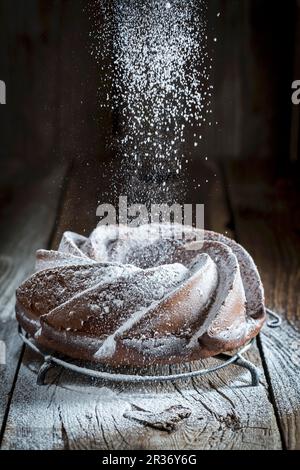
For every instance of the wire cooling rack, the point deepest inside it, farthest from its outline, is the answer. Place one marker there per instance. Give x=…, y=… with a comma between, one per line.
x=50, y=361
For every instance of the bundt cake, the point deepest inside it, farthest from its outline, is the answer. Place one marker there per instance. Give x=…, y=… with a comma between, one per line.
x=142, y=296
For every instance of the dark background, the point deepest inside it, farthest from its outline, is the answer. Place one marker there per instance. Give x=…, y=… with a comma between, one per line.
x=52, y=113
x=53, y=154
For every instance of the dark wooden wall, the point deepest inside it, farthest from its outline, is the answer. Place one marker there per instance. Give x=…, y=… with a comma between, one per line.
x=252, y=76
x=295, y=125
x=52, y=85
x=52, y=113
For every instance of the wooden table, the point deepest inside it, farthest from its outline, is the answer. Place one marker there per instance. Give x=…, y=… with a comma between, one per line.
x=221, y=411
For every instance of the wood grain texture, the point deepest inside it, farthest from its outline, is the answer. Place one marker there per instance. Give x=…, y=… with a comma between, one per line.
x=30, y=149
x=220, y=412
x=25, y=227
x=267, y=217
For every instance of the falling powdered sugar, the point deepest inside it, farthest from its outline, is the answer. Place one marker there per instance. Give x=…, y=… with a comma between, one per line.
x=157, y=84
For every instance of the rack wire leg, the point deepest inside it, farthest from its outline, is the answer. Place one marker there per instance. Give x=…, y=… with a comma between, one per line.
x=242, y=362
x=44, y=369
x=275, y=321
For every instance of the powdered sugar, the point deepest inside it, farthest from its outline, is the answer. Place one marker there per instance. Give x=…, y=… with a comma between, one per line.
x=158, y=82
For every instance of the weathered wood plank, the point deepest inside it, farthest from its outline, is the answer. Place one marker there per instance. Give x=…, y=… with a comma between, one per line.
x=31, y=33
x=84, y=414
x=26, y=225
x=267, y=219
x=221, y=411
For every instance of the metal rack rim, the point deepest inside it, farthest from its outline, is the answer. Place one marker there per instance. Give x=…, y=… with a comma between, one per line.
x=50, y=361
x=237, y=359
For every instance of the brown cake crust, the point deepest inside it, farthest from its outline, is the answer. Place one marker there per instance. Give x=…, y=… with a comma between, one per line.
x=130, y=297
